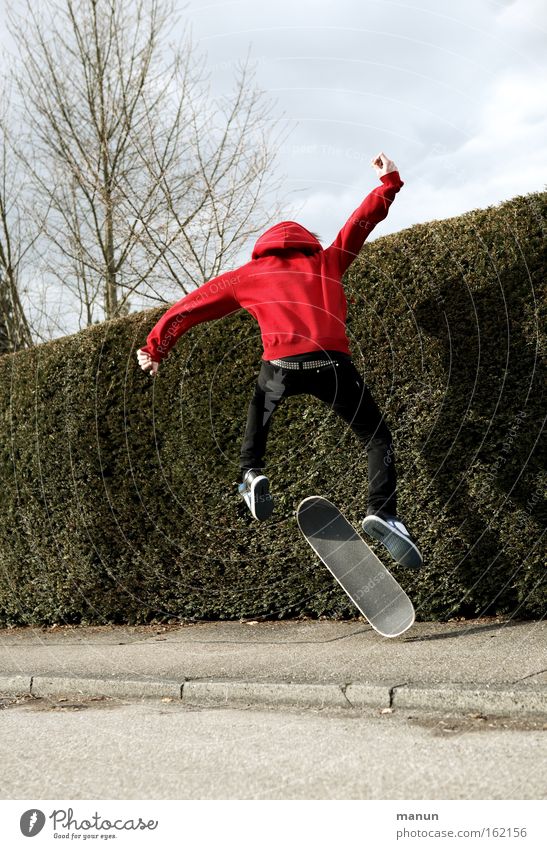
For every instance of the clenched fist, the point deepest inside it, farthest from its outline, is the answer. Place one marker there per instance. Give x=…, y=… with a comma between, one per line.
x=383, y=165
x=147, y=363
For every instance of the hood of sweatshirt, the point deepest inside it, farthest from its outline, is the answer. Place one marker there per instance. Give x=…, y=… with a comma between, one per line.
x=286, y=235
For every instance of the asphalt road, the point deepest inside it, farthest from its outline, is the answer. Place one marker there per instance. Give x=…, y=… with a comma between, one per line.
x=110, y=749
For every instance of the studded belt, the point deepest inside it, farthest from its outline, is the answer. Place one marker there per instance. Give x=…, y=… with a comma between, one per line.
x=303, y=364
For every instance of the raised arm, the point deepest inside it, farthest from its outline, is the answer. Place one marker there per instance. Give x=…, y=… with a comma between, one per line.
x=214, y=299
x=372, y=210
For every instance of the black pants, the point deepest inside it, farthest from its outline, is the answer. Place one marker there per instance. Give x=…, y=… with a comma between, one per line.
x=339, y=385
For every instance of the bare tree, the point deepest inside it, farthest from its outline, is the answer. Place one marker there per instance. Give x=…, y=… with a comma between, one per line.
x=15, y=241
x=148, y=183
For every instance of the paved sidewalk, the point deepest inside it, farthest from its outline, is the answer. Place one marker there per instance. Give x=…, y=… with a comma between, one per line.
x=492, y=666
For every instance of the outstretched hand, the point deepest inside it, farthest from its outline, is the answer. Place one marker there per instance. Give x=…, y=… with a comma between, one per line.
x=383, y=165
x=147, y=363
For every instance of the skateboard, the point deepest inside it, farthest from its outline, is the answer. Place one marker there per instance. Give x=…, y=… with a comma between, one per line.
x=365, y=579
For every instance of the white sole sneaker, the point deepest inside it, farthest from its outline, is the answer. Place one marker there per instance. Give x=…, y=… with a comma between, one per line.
x=258, y=498
x=395, y=537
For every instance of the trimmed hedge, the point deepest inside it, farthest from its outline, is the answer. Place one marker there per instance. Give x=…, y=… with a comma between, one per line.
x=118, y=495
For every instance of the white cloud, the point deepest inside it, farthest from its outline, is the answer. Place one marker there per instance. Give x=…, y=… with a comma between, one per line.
x=466, y=134
x=506, y=156
x=524, y=19
x=454, y=93
x=516, y=106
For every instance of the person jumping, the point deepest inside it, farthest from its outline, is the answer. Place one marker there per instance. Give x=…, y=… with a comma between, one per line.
x=292, y=287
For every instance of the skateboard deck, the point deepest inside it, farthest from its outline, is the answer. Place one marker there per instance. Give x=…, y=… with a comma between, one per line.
x=365, y=579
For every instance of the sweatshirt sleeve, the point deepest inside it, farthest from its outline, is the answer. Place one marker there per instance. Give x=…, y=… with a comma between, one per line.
x=373, y=209
x=213, y=299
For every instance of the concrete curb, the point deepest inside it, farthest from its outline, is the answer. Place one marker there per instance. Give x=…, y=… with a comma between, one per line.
x=454, y=698
x=496, y=699
x=43, y=685
x=258, y=692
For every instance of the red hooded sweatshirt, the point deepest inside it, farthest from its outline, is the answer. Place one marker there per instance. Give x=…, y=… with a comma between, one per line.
x=291, y=286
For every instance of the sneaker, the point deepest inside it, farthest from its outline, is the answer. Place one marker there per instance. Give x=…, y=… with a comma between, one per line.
x=255, y=491
x=391, y=532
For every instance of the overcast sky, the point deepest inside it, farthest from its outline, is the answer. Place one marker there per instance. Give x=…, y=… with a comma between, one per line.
x=454, y=92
